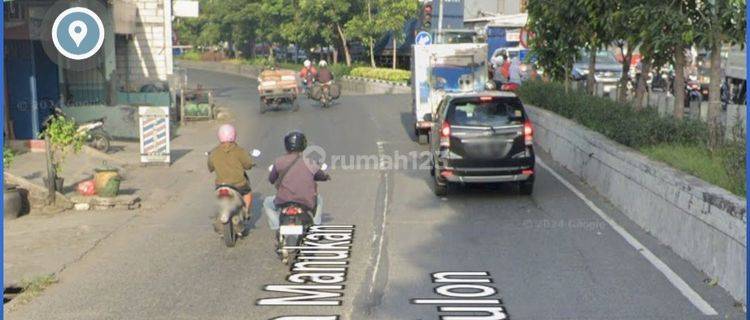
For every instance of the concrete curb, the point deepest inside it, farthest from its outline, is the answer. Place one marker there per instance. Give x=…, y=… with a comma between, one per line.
x=396, y=84
x=37, y=193
x=702, y=223
x=349, y=84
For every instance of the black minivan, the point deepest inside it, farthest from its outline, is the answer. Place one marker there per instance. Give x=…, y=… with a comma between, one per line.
x=481, y=137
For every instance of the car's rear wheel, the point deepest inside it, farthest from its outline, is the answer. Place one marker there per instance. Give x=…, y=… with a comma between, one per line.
x=440, y=188
x=263, y=107
x=526, y=187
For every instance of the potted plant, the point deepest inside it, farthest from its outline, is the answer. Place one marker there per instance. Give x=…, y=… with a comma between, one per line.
x=12, y=202
x=63, y=137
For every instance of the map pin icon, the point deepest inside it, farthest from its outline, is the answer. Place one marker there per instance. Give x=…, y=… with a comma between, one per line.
x=77, y=31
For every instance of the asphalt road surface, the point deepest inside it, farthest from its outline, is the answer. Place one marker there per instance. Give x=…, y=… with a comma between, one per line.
x=549, y=256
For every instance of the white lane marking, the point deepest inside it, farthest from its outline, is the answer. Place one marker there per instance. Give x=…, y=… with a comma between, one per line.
x=675, y=279
x=381, y=154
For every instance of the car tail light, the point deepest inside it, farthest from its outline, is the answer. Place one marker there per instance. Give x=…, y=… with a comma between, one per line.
x=485, y=99
x=445, y=134
x=527, y=172
x=528, y=133
x=292, y=211
x=224, y=193
x=446, y=173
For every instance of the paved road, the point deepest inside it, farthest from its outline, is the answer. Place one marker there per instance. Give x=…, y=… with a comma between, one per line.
x=549, y=256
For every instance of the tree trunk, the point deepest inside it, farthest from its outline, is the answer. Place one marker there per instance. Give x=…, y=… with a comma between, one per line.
x=372, y=53
x=714, y=98
x=371, y=40
x=395, y=49
x=640, y=90
x=591, y=77
x=270, y=53
x=335, y=55
x=679, y=83
x=627, y=59
x=345, y=44
x=566, y=77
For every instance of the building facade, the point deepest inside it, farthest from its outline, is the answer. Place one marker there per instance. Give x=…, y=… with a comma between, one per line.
x=137, y=51
x=479, y=8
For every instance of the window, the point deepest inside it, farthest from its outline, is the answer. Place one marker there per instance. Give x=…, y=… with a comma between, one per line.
x=494, y=113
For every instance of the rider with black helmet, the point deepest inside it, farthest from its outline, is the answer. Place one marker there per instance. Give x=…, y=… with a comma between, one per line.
x=295, y=179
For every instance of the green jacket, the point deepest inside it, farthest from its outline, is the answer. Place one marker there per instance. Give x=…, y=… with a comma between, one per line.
x=230, y=161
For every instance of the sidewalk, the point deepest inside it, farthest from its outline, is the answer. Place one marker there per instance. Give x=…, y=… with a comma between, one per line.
x=40, y=244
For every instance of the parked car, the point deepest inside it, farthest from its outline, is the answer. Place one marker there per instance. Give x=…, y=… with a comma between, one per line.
x=607, y=70
x=481, y=137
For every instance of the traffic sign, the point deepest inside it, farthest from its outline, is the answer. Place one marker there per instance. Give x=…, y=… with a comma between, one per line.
x=423, y=38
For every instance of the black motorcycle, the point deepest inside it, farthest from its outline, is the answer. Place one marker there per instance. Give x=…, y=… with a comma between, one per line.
x=294, y=222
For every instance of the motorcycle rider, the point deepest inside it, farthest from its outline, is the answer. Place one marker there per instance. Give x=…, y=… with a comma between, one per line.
x=324, y=74
x=295, y=179
x=230, y=161
x=308, y=74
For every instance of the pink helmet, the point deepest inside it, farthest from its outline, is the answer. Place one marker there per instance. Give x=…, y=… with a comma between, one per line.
x=227, y=133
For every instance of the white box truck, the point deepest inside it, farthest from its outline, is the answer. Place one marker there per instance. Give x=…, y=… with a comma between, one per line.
x=438, y=69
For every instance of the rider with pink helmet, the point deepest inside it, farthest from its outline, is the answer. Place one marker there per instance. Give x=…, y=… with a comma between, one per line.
x=230, y=162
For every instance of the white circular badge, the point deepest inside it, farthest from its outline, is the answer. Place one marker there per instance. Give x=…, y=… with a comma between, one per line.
x=78, y=33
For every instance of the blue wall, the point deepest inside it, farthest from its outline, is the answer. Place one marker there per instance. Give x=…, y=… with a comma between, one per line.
x=32, y=84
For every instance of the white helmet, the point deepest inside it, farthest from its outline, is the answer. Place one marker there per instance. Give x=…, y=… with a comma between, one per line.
x=307, y=63
x=322, y=63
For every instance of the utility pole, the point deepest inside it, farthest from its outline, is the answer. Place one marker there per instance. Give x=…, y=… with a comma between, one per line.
x=440, y=22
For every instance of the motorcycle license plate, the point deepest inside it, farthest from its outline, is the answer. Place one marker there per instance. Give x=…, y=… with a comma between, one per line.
x=291, y=230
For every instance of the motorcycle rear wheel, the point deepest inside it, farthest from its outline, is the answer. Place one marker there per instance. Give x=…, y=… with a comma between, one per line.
x=99, y=140
x=230, y=237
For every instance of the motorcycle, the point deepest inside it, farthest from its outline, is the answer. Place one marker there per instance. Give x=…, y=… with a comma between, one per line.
x=96, y=136
x=295, y=221
x=692, y=93
x=325, y=93
x=230, y=220
x=308, y=85
x=660, y=82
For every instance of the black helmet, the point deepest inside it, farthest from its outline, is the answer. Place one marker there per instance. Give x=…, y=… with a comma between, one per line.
x=295, y=141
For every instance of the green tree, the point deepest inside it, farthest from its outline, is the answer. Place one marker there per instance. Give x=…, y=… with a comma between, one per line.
x=665, y=39
x=276, y=21
x=326, y=20
x=627, y=21
x=391, y=17
x=556, y=25
x=717, y=22
x=597, y=30
x=364, y=27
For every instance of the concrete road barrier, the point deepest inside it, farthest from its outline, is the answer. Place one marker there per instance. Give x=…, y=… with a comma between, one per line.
x=702, y=223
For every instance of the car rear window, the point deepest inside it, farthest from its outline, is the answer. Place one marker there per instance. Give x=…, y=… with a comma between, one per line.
x=494, y=113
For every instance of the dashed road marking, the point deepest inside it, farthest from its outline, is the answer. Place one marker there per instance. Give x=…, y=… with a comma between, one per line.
x=381, y=153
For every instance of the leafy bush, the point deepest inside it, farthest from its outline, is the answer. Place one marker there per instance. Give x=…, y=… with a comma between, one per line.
x=192, y=56
x=8, y=157
x=338, y=70
x=679, y=143
x=619, y=122
x=63, y=138
x=734, y=157
x=393, y=75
